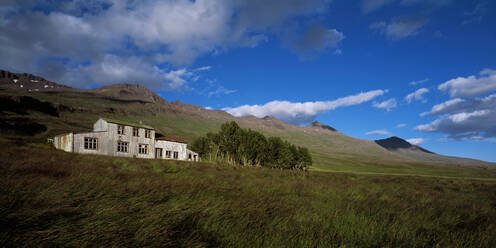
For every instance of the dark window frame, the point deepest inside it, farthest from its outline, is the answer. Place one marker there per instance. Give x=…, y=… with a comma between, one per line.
x=148, y=133
x=122, y=146
x=90, y=143
x=142, y=148
x=136, y=131
x=121, y=129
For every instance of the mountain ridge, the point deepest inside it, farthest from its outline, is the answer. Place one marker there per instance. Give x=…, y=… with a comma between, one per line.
x=332, y=148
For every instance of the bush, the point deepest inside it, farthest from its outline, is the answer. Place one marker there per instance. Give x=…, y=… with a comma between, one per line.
x=238, y=146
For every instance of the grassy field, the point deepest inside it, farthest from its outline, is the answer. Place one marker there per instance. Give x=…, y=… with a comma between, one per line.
x=50, y=198
x=330, y=152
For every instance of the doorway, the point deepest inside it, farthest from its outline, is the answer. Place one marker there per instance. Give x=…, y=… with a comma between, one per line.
x=158, y=152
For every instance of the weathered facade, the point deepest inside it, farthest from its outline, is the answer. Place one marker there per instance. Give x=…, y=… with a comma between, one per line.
x=116, y=138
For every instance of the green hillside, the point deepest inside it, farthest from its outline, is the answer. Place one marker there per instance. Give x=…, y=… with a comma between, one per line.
x=331, y=151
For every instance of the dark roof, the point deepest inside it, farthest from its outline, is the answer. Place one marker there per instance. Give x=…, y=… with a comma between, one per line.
x=172, y=138
x=127, y=123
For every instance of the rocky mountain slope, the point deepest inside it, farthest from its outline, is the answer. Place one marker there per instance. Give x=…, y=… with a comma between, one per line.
x=28, y=82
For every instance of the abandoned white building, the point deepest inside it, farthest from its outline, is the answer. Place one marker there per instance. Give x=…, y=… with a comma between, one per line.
x=117, y=138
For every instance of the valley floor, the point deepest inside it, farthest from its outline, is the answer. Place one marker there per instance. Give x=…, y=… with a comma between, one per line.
x=52, y=198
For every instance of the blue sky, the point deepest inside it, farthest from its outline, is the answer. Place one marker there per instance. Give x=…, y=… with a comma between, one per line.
x=423, y=70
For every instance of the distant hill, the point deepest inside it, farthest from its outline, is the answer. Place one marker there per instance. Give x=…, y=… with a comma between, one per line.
x=394, y=143
x=332, y=150
x=403, y=148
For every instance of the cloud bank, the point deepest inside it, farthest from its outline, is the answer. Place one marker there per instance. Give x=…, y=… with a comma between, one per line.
x=106, y=41
x=470, y=117
x=471, y=85
x=301, y=112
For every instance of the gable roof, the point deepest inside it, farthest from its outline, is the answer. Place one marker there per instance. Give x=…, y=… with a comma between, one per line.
x=172, y=139
x=127, y=123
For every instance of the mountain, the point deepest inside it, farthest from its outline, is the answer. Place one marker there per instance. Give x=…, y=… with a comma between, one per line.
x=417, y=153
x=77, y=109
x=394, y=144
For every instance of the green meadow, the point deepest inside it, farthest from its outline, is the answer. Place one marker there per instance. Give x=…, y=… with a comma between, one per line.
x=50, y=198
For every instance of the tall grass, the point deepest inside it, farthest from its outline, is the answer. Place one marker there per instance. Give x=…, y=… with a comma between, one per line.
x=51, y=198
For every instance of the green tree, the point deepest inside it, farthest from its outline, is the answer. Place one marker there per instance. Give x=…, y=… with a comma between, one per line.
x=238, y=146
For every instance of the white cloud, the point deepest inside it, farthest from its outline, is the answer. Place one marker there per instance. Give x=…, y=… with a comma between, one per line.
x=445, y=107
x=301, y=112
x=417, y=95
x=471, y=85
x=419, y=81
x=401, y=125
x=416, y=141
x=208, y=107
x=462, y=117
x=387, y=105
x=464, y=125
x=203, y=68
x=378, y=132
x=400, y=27
x=220, y=91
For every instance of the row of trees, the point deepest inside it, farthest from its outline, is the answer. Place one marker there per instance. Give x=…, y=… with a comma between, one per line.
x=239, y=146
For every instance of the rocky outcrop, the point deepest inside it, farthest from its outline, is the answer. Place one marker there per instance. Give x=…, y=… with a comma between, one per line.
x=318, y=125
x=29, y=82
x=129, y=92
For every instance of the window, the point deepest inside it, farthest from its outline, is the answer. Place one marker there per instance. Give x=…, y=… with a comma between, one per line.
x=176, y=155
x=90, y=143
x=120, y=129
x=122, y=146
x=148, y=133
x=168, y=154
x=135, y=131
x=143, y=149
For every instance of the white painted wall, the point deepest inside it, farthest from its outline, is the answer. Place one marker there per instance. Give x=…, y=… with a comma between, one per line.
x=173, y=147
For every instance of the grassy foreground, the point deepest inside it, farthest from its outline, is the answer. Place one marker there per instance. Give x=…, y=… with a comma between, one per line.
x=51, y=198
